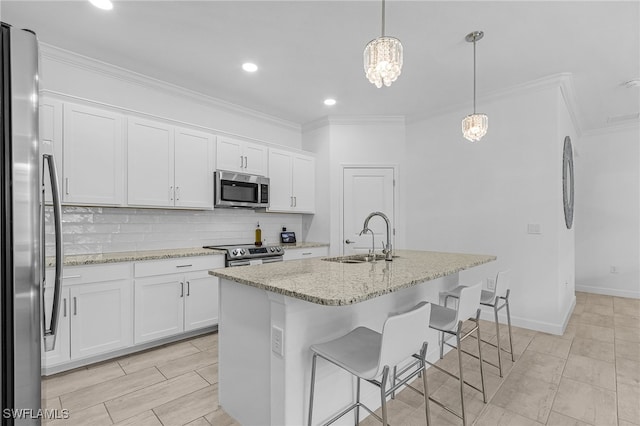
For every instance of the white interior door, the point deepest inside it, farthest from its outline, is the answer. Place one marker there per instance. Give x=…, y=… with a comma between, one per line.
x=366, y=190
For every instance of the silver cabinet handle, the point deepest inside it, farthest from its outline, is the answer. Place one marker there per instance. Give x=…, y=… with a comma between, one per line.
x=295, y=201
x=246, y=162
x=177, y=192
x=75, y=305
x=64, y=311
x=50, y=332
x=306, y=254
x=171, y=193
x=349, y=242
x=181, y=289
x=66, y=186
x=184, y=266
x=188, y=288
x=241, y=162
x=291, y=202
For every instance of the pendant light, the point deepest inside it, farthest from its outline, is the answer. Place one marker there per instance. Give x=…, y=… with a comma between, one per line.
x=383, y=58
x=474, y=126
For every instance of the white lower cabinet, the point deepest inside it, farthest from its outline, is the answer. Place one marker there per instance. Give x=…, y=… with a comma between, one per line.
x=170, y=304
x=96, y=312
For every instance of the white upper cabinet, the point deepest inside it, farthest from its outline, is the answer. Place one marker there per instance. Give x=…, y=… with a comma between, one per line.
x=193, y=156
x=150, y=163
x=168, y=166
x=241, y=156
x=92, y=156
x=51, y=140
x=291, y=182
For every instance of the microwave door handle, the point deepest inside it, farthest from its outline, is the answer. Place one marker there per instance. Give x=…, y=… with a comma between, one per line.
x=50, y=332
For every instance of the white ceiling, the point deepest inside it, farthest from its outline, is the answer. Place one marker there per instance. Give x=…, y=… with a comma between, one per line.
x=309, y=50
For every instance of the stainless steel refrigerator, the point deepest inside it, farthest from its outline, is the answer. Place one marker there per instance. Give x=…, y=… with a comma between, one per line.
x=24, y=331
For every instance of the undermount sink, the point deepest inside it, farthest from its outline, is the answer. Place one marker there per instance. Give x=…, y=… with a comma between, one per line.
x=356, y=258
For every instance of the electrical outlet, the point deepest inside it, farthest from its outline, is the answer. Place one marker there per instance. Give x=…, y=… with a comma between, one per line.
x=614, y=269
x=277, y=343
x=491, y=283
x=534, y=228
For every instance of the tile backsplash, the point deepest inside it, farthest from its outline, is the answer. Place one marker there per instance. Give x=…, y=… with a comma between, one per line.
x=87, y=230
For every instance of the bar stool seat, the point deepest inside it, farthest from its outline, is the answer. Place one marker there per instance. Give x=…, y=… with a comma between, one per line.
x=442, y=318
x=357, y=352
x=370, y=355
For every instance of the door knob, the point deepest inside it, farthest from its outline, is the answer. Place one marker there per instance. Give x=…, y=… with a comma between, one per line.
x=349, y=242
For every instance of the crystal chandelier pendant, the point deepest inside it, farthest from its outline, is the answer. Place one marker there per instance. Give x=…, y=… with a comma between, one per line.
x=383, y=60
x=475, y=126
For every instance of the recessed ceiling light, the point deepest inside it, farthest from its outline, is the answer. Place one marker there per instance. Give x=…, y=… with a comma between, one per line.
x=102, y=4
x=329, y=102
x=249, y=67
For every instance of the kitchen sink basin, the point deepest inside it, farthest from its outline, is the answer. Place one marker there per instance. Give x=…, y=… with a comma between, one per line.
x=355, y=258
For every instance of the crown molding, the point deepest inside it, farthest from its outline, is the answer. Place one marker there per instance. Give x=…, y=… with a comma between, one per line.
x=562, y=80
x=348, y=120
x=623, y=127
x=86, y=63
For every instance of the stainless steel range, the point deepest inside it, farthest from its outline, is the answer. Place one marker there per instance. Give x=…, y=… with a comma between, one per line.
x=249, y=254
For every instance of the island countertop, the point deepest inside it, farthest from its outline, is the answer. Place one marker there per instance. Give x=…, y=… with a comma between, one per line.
x=332, y=283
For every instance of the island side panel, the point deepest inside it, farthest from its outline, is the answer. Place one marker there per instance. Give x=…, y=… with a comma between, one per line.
x=244, y=362
x=304, y=323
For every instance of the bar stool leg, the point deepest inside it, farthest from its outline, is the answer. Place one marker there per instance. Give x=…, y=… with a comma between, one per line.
x=495, y=314
x=313, y=382
x=358, y=401
x=506, y=301
x=441, y=344
x=383, y=395
x=425, y=387
x=458, y=347
x=484, y=393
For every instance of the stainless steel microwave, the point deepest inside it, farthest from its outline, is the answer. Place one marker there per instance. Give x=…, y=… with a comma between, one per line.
x=239, y=190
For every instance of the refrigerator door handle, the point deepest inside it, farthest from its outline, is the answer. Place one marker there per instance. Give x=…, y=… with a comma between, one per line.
x=50, y=332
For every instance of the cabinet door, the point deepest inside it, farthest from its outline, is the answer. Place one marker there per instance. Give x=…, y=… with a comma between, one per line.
x=93, y=172
x=229, y=155
x=201, y=300
x=303, y=179
x=62, y=350
x=150, y=163
x=51, y=140
x=159, y=307
x=255, y=159
x=101, y=317
x=280, y=197
x=193, y=169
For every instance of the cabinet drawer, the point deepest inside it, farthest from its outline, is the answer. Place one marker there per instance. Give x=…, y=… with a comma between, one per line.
x=91, y=274
x=177, y=266
x=305, y=253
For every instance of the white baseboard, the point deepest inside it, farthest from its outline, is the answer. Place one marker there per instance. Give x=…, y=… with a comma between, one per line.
x=608, y=291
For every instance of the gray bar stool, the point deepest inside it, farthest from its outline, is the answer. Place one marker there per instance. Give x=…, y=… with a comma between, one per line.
x=450, y=321
x=369, y=355
x=492, y=299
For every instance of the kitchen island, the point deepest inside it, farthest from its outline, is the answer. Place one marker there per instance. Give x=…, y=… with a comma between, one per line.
x=270, y=314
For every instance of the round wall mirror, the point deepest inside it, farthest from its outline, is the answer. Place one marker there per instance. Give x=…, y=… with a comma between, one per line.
x=567, y=182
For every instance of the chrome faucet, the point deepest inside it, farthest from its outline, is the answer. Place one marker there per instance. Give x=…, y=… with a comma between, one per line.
x=372, y=254
x=387, y=249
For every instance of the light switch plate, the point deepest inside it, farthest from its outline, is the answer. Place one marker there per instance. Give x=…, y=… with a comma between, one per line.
x=277, y=343
x=534, y=228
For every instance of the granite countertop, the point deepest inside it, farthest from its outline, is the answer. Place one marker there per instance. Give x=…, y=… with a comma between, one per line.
x=304, y=245
x=131, y=256
x=331, y=283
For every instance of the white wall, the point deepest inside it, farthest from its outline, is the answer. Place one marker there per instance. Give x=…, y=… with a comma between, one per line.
x=371, y=141
x=480, y=197
x=607, y=209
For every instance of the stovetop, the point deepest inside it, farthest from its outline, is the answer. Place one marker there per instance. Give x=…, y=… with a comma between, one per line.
x=249, y=251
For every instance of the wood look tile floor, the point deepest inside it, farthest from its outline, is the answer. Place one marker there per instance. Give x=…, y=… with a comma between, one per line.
x=588, y=376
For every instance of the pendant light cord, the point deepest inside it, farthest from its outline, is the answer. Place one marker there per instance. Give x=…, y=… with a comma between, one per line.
x=382, y=18
x=474, y=76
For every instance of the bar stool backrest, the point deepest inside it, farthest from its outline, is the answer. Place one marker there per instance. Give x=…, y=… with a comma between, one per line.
x=503, y=283
x=403, y=335
x=469, y=302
